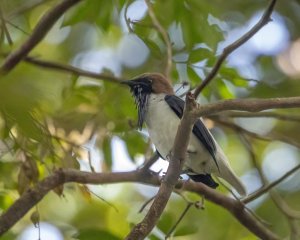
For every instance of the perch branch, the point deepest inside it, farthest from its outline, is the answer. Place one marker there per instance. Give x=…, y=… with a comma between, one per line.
x=31, y=197
x=275, y=115
x=249, y=105
x=177, y=157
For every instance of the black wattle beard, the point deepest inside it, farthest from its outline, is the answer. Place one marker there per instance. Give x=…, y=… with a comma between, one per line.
x=141, y=101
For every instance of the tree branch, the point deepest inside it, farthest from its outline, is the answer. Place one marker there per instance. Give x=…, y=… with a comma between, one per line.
x=176, y=159
x=268, y=137
x=279, y=116
x=266, y=188
x=39, y=32
x=291, y=215
x=165, y=37
x=235, y=45
x=249, y=105
x=237, y=209
x=31, y=197
x=70, y=69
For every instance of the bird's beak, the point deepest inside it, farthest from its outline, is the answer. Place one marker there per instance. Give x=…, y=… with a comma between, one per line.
x=129, y=83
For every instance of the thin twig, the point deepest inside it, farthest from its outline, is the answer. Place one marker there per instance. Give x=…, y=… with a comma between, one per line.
x=262, y=221
x=4, y=28
x=149, y=162
x=165, y=37
x=291, y=215
x=188, y=206
x=146, y=203
x=269, y=137
x=127, y=20
x=17, y=27
x=70, y=69
x=266, y=188
x=235, y=45
x=39, y=32
x=102, y=199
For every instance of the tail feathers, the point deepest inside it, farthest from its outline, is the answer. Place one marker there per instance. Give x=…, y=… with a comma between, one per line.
x=205, y=179
x=233, y=180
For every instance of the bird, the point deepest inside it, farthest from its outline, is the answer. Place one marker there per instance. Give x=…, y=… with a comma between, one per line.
x=161, y=110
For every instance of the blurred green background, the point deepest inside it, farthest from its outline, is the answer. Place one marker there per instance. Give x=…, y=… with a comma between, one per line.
x=51, y=119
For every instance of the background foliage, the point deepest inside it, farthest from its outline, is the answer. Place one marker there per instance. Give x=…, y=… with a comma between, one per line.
x=51, y=119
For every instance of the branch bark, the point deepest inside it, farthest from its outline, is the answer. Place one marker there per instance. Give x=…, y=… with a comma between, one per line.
x=176, y=159
x=70, y=69
x=39, y=32
x=36, y=194
x=279, y=116
x=249, y=105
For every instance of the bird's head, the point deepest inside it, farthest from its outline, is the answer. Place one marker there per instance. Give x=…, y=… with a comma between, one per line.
x=148, y=83
x=142, y=86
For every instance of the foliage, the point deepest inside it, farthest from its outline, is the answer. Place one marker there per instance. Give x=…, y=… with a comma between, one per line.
x=51, y=119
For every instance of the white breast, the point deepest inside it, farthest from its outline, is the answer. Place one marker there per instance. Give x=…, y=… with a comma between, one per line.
x=162, y=125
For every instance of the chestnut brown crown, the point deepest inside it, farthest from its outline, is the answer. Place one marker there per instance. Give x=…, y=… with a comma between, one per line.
x=151, y=83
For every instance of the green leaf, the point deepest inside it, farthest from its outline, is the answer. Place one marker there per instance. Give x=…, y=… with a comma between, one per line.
x=88, y=10
x=224, y=90
x=186, y=229
x=93, y=11
x=152, y=45
x=35, y=218
x=107, y=152
x=232, y=75
x=95, y=234
x=193, y=76
x=166, y=222
x=199, y=54
x=135, y=143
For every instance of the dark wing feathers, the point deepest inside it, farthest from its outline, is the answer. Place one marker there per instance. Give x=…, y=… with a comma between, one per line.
x=204, y=178
x=199, y=129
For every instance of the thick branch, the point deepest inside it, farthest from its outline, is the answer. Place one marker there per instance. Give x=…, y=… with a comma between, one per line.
x=39, y=32
x=235, y=45
x=279, y=116
x=249, y=105
x=33, y=196
x=177, y=158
